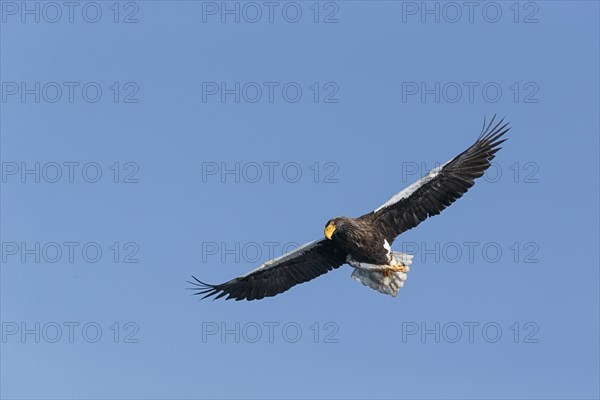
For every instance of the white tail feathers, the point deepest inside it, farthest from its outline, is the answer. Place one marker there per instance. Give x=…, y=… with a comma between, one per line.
x=380, y=278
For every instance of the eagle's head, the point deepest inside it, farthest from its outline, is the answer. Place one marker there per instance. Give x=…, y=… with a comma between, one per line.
x=337, y=227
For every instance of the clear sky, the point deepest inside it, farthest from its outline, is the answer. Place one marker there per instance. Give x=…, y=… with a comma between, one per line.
x=143, y=142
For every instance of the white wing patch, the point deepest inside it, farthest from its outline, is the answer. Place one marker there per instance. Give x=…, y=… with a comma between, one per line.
x=408, y=191
x=387, y=246
x=287, y=256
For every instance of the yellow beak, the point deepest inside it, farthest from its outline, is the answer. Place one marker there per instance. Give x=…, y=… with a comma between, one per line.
x=329, y=230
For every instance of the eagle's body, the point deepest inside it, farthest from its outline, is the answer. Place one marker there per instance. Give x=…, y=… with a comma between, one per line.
x=365, y=242
x=369, y=253
x=356, y=236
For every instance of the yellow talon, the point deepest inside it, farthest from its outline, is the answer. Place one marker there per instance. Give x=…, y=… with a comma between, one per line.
x=399, y=268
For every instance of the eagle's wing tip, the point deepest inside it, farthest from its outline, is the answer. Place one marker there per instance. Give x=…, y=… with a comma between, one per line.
x=490, y=132
x=203, y=288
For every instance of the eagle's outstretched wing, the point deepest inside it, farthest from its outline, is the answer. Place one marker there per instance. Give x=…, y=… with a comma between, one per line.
x=278, y=275
x=440, y=187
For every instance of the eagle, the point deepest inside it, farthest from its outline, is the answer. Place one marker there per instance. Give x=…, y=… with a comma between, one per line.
x=365, y=242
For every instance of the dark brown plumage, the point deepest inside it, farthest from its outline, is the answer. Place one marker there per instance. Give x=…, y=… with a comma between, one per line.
x=356, y=236
x=366, y=239
x=317, y=259
x=453, y=180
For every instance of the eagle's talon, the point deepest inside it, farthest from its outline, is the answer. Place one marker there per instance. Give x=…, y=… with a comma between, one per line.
x=399, y=268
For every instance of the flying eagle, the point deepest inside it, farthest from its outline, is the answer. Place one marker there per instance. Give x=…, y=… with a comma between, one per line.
x=365, y=242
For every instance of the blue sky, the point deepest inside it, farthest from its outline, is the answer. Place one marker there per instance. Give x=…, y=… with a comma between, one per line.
x=144, y=142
